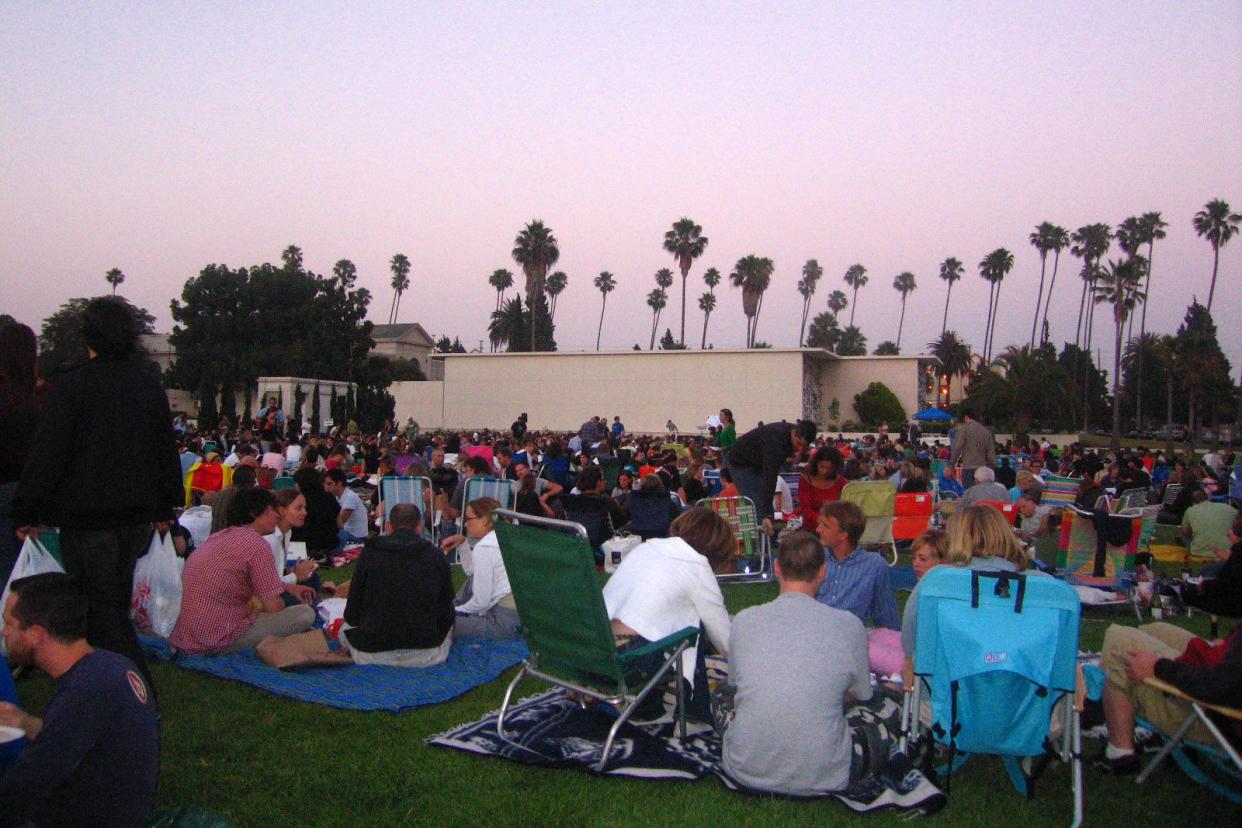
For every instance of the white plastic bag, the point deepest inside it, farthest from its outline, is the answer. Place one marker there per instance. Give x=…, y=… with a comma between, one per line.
x=34, y=559
x=197, y=521
x=616, y=548
x=156, y=601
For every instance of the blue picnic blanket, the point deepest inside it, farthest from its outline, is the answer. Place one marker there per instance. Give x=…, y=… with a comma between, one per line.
x=471, y=663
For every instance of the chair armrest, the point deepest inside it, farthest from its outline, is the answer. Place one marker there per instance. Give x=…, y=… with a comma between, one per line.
x=907, y=674
x=1165, y=687
x=689, y=635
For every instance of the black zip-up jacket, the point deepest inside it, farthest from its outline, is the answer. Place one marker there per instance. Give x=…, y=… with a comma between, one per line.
x=105, y=454
x=401, y=595
x=763, y=449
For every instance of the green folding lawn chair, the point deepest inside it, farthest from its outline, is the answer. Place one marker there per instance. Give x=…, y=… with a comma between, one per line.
x=878, y=501
x=551, y=571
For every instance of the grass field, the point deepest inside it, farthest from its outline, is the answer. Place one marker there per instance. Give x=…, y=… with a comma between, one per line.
x=255, y=759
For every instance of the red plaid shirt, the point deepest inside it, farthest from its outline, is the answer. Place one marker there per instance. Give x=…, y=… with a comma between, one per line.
x=220, y=578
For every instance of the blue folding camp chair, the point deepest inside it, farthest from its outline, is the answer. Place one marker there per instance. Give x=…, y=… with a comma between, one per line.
x=499, y=489
x=997, y=651
x=394, y=490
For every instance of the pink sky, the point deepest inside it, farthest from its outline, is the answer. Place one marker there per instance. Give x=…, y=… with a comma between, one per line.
x=159, y=138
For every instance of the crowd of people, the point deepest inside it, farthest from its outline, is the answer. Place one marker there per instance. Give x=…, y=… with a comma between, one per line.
x=286, y=502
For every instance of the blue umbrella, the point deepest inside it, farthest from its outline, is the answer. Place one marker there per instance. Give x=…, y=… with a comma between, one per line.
x=934, y=415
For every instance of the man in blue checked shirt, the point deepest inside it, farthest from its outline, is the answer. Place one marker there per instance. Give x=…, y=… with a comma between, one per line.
x=857, y=580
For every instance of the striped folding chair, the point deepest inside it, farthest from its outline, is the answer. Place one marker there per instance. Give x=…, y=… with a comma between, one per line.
x=499, y=489
x=414, y=490
x=1060, y=491
x=754, y=547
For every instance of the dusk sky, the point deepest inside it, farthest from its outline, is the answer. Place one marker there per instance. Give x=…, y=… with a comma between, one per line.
x=161, y=137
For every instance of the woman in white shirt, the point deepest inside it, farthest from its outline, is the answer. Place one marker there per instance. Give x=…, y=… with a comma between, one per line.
x=485, y=607
x=667, y=584
x=290, y=515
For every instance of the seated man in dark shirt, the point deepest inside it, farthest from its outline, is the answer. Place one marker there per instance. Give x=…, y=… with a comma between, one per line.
x=400, y=610
x=93, y=758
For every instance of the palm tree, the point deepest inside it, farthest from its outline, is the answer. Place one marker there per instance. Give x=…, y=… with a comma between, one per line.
x=837, y=302
x=1119, y=285
x=292, y=257
x=1020, y=382
x=1091, y=242
x=855, y=277
x=811, y=274
x=707, y=304
x=825, y=332
x=950, y=270
x=953, y=353
x=852, y=342
x=502, y=280
x=1057, y=240
x=400, y=267
x=1039, y=240
x=1216, y=224
x=711, y=278
x=656, y=300
x=1153, y=229
x=536, y=250
x=605, y=284
x=114, y=277
x=904, y=284
x=345, y=272
x=994, y=267
x=508, y=323
x=752, y=274
x=686, y=242
x=556, y=283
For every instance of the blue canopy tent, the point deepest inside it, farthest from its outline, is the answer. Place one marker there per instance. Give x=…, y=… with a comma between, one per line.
x=933, y=415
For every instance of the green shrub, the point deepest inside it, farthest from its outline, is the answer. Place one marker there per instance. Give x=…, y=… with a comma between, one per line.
x=878, y=404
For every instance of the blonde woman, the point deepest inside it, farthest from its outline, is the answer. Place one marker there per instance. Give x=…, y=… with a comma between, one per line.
x=977, y=537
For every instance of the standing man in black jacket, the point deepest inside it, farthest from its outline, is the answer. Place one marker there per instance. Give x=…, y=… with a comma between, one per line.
x=105, y=507
x=756, y=459
x=400, y=608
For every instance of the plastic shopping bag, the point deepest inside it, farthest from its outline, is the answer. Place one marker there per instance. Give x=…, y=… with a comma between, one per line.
x=34, y=559
x=156, y=601
x=197, y=521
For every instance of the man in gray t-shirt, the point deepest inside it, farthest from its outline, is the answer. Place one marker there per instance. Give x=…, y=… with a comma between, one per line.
x=795, y=663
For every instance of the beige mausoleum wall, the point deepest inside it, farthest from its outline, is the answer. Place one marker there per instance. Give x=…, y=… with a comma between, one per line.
x=845, y=377
x=646, y=388
x=424, y=401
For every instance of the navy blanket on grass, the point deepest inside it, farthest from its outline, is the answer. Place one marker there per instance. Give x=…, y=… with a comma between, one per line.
x=472, y=662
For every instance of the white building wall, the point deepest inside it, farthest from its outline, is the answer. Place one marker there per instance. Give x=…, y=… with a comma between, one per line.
x=849, y=376
x=424, y=401
x=646, y=388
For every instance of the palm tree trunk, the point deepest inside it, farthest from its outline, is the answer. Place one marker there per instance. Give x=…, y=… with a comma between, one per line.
x=600, y=331
x=1116, y=441
x=685, y=271
x=1212, y=289
x=534, y=322
x=703, y=344
x=806, y=309
x=392, y=307
x=995, y=314
x=1142, y=334
x=1168, y=403
x=1048, y=302
x=944, y=321
x=1082, y=304
x=901, y=321
x=853, y=306
x=754, y=331
x=987, y=325
x=1043, y=264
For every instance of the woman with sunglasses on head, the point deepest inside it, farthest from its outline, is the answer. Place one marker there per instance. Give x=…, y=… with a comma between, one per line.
x=485, y=607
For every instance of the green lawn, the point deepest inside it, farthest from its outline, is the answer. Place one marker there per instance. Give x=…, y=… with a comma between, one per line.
x=258, y=760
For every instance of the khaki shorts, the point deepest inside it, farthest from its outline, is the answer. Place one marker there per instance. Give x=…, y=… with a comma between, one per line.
x=1167, y=641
